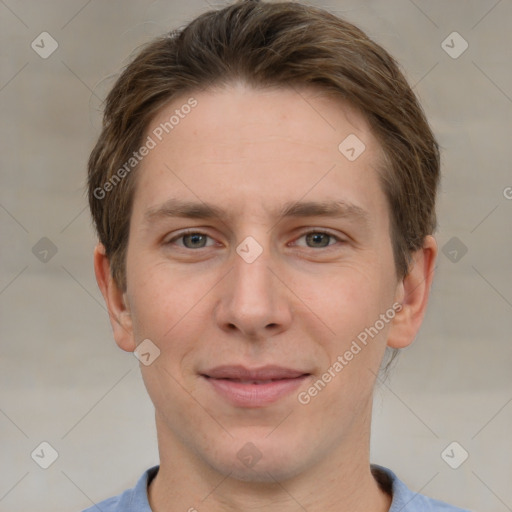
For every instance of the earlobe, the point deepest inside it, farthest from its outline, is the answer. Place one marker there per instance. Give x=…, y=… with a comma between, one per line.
x=115, y=300
x=413, y=293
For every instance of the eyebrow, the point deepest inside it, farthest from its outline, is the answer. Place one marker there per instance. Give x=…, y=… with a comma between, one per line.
x=201, y=210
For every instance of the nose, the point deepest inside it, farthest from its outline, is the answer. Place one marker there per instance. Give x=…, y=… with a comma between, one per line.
x=253, y=299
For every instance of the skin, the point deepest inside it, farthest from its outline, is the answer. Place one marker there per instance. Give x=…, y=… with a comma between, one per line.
x=300, y=304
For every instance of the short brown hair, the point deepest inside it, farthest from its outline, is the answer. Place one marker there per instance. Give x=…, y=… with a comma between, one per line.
x=263, y=44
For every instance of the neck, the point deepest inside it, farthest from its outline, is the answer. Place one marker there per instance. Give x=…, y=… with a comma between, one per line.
x=342, y=482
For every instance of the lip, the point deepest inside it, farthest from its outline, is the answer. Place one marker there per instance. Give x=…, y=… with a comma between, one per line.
x=257, y=387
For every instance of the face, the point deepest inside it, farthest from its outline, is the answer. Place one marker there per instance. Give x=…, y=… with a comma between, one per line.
x=258, y=302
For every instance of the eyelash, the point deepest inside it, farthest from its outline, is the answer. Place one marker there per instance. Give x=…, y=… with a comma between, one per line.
x=195, y=232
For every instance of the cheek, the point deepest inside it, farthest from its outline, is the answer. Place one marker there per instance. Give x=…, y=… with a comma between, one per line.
x=344, y=298
x=152, y=301
x=166, y=307
x=344, y=311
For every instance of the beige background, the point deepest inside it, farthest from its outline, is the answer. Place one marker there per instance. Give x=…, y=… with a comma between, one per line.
x=62, y=378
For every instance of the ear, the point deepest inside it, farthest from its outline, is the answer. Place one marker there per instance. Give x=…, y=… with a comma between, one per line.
x=413, y=293
x=115, y=300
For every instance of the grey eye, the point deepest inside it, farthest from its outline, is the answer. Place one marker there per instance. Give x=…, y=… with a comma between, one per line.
x=197, y=240
x=318, y=239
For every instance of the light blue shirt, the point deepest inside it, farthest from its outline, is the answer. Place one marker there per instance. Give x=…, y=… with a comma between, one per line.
x=404, y=500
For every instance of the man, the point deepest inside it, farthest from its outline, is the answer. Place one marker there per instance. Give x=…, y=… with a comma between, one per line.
x=264, y=196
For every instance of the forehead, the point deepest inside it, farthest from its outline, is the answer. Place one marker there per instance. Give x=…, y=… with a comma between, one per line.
x=241, y=148
x=305, y=115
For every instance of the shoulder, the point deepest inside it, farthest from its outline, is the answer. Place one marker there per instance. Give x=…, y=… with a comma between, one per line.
x=404, y=499
x=131, y=500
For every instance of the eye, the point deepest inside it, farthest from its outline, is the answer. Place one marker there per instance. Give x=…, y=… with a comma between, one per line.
x=319, y=239
x=191, y=240
x=197, y=240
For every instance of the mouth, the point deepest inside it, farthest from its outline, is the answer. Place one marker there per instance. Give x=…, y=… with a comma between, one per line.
x=245, y=387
